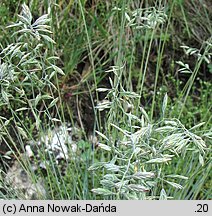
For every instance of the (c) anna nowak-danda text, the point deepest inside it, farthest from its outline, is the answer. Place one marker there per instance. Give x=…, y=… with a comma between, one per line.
x=68, y=208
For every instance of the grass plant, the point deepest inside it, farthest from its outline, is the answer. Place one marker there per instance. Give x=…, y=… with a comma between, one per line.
x=129, y=79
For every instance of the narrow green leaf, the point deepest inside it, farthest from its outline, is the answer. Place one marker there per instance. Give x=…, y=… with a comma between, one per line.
x=177, y=176
x=173, y=184
x=46, y=37
x=163, y=195
x=201, y=160
x=58, y=70
x=53, y=102
x=159, y=160
x=102, y=135
x=165, y=100
x=21, y=131
x=96, y=166
x=105, y=147
x=21, y=109
x=102, y=191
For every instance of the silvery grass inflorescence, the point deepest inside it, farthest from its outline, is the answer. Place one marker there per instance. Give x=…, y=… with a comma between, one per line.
x=144, y=18
x=204, y=53
x=6, y=73
x=39, y=29
x=27, y=68
x=141, y=149
x=28, y=72
x=30, y=58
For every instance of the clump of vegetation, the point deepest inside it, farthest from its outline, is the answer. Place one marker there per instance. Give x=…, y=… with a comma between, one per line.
x=142, y=149
x=128, y=83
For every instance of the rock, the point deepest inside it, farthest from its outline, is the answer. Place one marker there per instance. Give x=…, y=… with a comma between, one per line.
x=21, y=181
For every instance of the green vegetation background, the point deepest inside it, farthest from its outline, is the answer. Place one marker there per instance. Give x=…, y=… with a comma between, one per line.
x=90, y=38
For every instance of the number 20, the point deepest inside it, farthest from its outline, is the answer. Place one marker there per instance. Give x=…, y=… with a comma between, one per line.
x=202, y=208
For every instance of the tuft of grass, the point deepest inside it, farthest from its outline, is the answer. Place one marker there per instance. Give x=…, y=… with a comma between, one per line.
x=148, y=114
